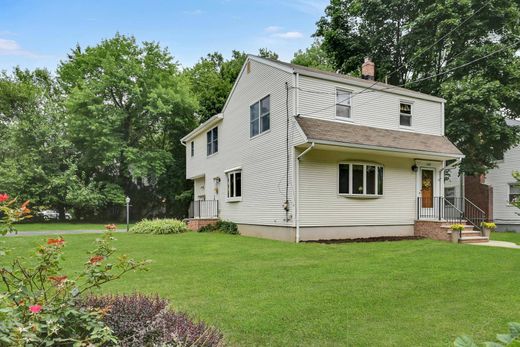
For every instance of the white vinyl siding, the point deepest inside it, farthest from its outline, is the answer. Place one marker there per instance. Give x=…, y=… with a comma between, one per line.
x=501, y=179
x=317, y=98
x=261, y=158
x=321, y=205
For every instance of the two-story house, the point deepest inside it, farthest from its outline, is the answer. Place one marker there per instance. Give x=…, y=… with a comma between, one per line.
x=302, y=154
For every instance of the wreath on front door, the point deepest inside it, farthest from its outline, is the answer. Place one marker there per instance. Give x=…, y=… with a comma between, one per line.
x=427, y=183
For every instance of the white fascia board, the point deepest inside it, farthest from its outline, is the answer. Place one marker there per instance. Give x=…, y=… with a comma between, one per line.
x=388, y=149
x=204, y=126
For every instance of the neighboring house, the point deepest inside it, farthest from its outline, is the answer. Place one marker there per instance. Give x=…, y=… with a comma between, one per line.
x=302, y=154
x=494, y=191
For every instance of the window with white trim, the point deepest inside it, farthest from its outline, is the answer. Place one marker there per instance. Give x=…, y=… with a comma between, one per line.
x=259, y=116
x=343, y=107
x=360, y=179
x=405, y=114
x=514, y=192
x=234, y=179
x=212, y=137
x=192, y=148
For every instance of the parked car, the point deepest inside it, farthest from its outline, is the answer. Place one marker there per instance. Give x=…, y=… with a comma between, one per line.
x=52, y=214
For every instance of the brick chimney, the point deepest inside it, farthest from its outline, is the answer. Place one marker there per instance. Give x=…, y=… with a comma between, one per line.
x=368, y=70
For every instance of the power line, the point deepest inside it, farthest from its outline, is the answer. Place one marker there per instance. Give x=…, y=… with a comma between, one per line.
x=429, y=47
x=365, y=91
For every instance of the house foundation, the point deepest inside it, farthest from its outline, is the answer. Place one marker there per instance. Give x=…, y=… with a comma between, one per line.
x=194, y=224
x=431, y=229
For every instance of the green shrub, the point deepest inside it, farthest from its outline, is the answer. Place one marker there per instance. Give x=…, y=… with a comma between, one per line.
x=510, y=339
x=159, y=226
x=223, y=226
x=227, y=227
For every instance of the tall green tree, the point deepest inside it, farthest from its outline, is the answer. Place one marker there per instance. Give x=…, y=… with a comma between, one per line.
x=412, y=41
x=314, y=56
x=127, y=107
x=36, y=156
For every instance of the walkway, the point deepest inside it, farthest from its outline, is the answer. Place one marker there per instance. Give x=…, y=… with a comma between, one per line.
x=61, y=232
x=493, y=243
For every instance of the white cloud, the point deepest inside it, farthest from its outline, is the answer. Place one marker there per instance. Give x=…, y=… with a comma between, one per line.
x=273, y=29
x=289, y=35
x=12, y=48
x=9, y=45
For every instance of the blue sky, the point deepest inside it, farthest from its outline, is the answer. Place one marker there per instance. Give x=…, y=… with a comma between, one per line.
x=40, y=33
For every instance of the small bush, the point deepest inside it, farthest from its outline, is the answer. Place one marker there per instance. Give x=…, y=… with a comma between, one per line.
x=159, y=226
x=138, y=320
x=223, y=226
x=227, y=227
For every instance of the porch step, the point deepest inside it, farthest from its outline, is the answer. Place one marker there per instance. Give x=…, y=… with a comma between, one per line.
x=470, y=233
x=467, y=227
x=473, y=239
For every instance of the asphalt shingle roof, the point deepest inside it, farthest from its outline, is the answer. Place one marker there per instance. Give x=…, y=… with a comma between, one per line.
x=346, y=133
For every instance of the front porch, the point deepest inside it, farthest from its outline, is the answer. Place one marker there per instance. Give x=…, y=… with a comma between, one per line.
x=202, y=213
x=435, y=215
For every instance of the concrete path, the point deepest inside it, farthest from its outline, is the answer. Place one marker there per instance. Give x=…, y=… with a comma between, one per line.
x=60, y=232
x=493, y=243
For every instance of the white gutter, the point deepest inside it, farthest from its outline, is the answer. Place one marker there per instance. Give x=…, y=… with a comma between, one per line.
x=298, y=190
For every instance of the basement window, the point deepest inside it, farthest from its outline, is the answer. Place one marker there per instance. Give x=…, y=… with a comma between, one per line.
x=360, y=179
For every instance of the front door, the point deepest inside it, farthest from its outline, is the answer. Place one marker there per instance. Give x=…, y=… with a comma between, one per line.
x=427, y=181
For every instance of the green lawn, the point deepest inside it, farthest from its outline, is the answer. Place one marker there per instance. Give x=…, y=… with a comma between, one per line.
x=64, y=226
x=509, y=236
x=262, y=292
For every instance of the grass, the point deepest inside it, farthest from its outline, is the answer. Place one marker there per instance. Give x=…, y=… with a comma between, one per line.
x=506, y=236
x=64, y=226
x=263, y=292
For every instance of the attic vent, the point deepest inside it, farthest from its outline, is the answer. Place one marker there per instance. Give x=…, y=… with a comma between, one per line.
x=248, y=67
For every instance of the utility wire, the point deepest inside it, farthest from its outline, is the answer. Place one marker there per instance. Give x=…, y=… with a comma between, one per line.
x=365, y=91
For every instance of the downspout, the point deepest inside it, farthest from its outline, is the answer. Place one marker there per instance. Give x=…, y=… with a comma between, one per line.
x=298, y=190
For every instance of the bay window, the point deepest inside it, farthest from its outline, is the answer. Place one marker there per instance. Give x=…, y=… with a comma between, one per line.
x=360, y=179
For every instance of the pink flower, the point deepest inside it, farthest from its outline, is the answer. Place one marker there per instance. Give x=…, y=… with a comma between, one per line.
x=4, y=197
x=35, y=308
x=96, y=259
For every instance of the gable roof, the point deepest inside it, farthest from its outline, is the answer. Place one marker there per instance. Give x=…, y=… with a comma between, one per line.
x=210, y=123
x=360, y=136
x=327, y=75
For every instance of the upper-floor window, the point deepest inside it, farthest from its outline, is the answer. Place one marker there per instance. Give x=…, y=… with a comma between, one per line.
x=363, y=179
x=192, y=148
x=343, y=108
x=259, y=114
x=514, y=192
x=212, y=137
x=405, y=114
x=234, y=179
